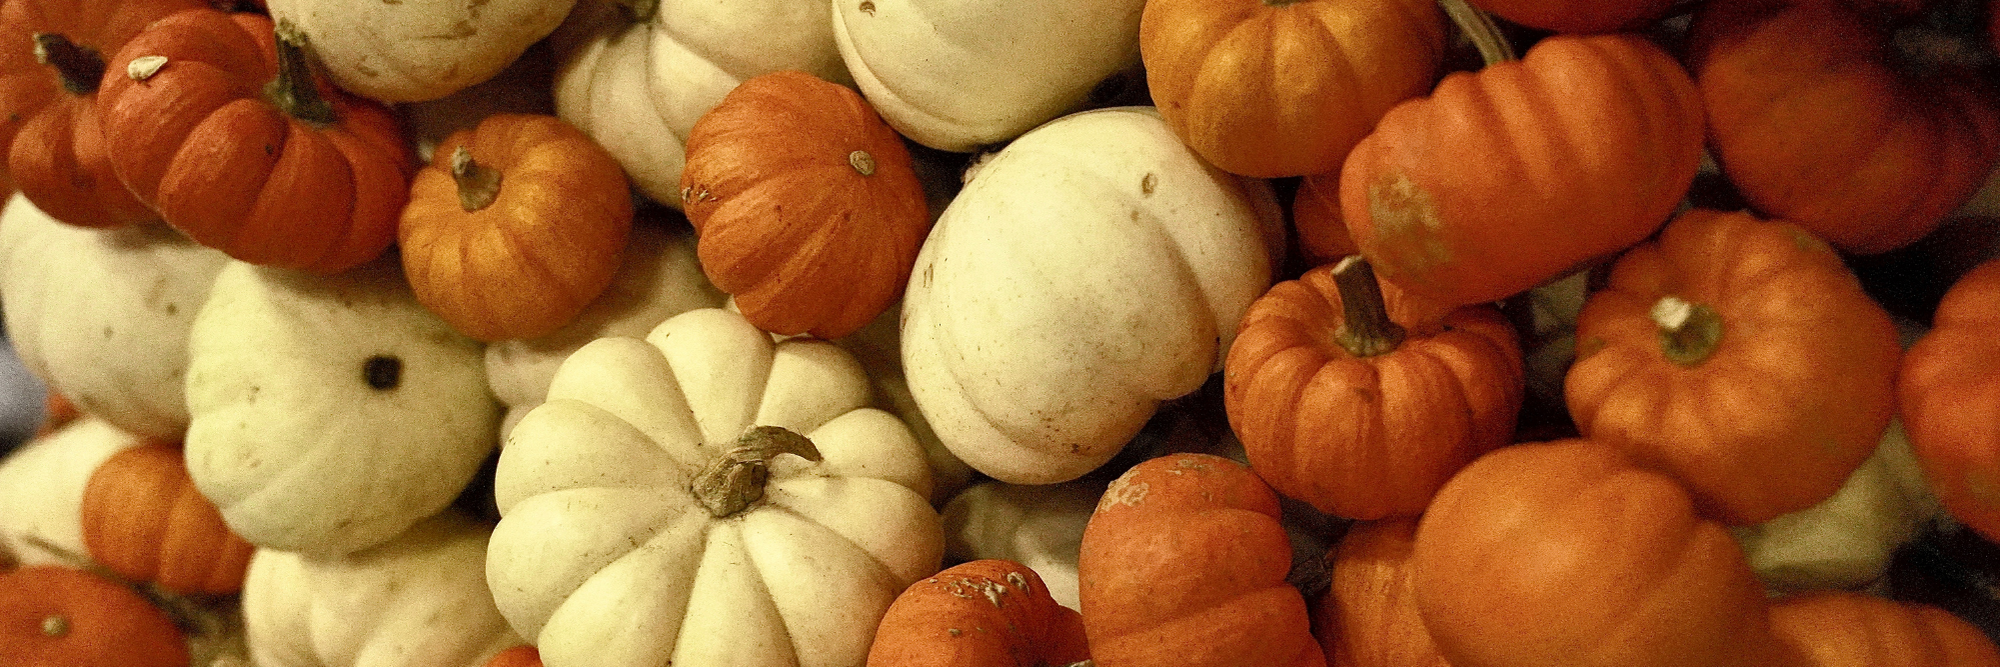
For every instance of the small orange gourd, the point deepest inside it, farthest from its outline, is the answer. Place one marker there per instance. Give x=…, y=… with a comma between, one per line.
x=144, y=519
x=1949, y=394
x=984, y=613
x=1369, y=618
x=56, y=615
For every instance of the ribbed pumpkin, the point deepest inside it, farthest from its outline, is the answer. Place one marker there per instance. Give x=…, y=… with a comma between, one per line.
x=51, y=62
x=1844, y=629
x=1272, y=88
x=238, y=145
x=514, y=227
x=984, y=613
x=1369, y=618
x=56, y=615
x=807, y=205
x=144, y=519
x=1949, y=393
x=1362, y=401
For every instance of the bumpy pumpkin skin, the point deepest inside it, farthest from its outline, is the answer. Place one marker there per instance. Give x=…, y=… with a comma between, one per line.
x=102, y=622
x=808, y=207
x=1794, y=395
x=1950, y=400
x=144, y=519
x=1504, y=179
x=984, y=613
x=1844, y=629
x=1213, y=594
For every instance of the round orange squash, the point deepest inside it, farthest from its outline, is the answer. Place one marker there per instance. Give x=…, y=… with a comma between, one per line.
x=52, y=615
x=1846, y=629
x=1949, y=394
x=983, y=613
x=144, y=519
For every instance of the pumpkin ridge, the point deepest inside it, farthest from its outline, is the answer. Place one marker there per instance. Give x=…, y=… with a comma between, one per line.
x=203, y=134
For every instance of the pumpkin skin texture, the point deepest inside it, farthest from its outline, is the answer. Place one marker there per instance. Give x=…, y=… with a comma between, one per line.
x=1087, y=272
x=1483, y=189
x=144, y=519
x=1812, y=124
x=1368, y=433
x=331, y=413
x=419, y=50
x=1845, y=629
x=1369, y=617
x=305, y=194
x=55, y=148
x=1778, y=385
x=529, y=250
x=102, y=622
x=1184, y=564
x=615, y=549
x=1950, y=400
x=984, y=613
x=1577, y=16
x=807, y=204
x=42, y=486
x=1565, y=553
x=1321, y=73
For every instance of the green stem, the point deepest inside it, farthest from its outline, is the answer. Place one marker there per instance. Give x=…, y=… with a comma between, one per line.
x=1365, y=328
x=478, y=184
x=1478, y=26
x=1689, y=332
x=294, y=91
x=736, y=481
x=78, y=67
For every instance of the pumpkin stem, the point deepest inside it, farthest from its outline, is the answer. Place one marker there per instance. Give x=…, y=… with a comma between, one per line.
x=78, y=67
x=478, y=184
x=862, y=162
x=55, y=626
x=1365, y=329
x=294, y=91
x=1479, y=27
x=1689, y=332
x=736, y=480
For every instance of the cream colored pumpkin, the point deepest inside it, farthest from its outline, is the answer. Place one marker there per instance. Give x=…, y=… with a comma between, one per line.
x=418, y=600
x=957, y=76
x=1848, y=539
x=41, y=489
x=415, y=50
x=878, y=346
x=103, y=316
x=331, y=413
x=1037, y=526
x=638, y=88
x=607, y=555
x=1087, y=272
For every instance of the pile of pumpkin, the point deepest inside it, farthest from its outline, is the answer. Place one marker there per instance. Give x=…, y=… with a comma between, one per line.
x=1188, y=332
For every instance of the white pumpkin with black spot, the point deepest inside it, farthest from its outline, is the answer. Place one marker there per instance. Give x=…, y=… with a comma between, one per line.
x=330, y=413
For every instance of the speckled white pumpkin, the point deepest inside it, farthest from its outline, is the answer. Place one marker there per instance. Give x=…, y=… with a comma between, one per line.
x=414, y=50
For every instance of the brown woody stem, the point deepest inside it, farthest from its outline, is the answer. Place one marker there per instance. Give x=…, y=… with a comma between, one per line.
x=1365, y=328
x=78, y=67
x=736, y=480
x=294, y=91
x=1689, y=332
x=1479, y=27
x=478, y=184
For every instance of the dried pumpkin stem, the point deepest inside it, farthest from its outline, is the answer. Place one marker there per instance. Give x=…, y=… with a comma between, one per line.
x=862, y=162
x=1478, y=26
x=55, y=625
x=736, y=481
x=1689, y=332
x=478, y=184
x=1365, y=328
x=294, y=91
x=78, y=67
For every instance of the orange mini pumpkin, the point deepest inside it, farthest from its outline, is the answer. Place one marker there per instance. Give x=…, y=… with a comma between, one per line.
x=1845, y=629
x=55, y=615
x=1363, y=400
x=984, y=613
x=1741, y=356
x=235, y=142
x=515, y=226
x=1369, y=617
x=144, y=519
x=1949, y=394
x=807, y=205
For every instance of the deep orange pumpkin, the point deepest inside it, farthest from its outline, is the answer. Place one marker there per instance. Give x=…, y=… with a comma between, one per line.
x=1578, y=16
x=1564, y=553
x=1322, y=236
x=1813, y=125
x=515, y=226
x=517, y=656
x=300, y=175
x=1272, y=88
x=52, y=56
x=1183, y=564
x=1949, y=394
x=1519, y=173
x=59, y=616
x=1741, y=356
x=1845, y=629
x=1369, y=617
x=984, y=613
x=1362, y=401
x=144, y=519
x=807, y=206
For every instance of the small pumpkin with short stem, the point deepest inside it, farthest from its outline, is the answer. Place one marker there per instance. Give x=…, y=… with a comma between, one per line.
x=983, y=613
x=807, y=204
x=144, y=519
x=514, y=227
x=1362, y=399
x=1741, y=356
x=1950, y=401
x=58, y=615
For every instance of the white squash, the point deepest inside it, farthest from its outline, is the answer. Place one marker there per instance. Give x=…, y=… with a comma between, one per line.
x=103, y=315
x=1092, y=269
x=1848, y=540
x=638, y=88
x=1037, y=526
x=957, y=75
x=878, y=346
x=331, y=413
x=414, y=50
x=41, y=489
x=631, y=531
x=418, y=600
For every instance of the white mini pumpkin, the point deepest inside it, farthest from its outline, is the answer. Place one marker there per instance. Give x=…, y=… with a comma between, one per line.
x=1087, y=272
x=415, y=50
x=418, y=600
x=1037, y=526
x=1848, y=539
x=632, y=532
x=103, y=316
x=41, y=489
x=331, y=413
